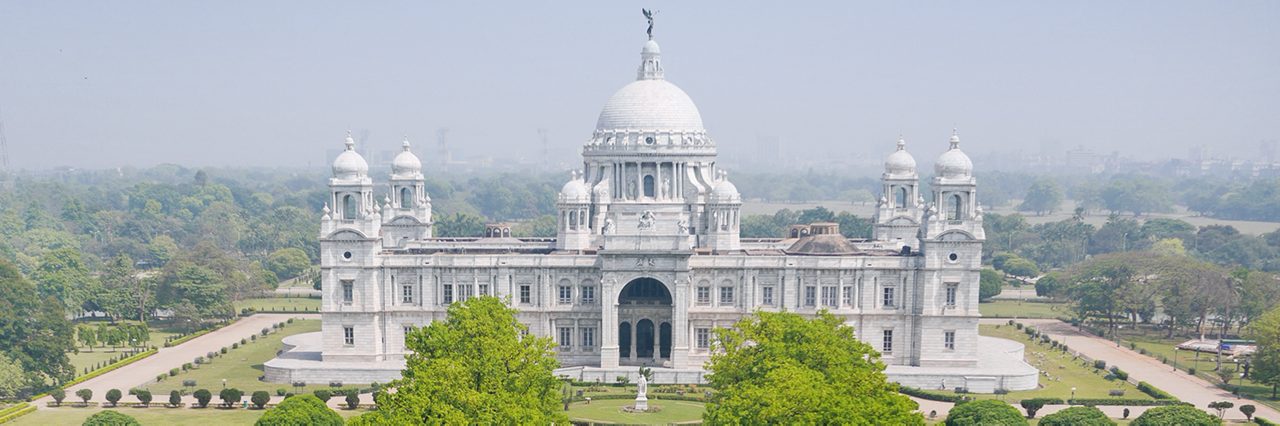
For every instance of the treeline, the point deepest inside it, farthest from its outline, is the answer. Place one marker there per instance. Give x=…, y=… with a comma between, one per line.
x=1192, y=294
x=1069, y=241
x=775, y=225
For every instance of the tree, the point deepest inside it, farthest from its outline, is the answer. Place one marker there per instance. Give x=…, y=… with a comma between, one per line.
x=110, y=418
x=459, y=225
x=782, y=368
x=203, y=396
x=1248, y=410
x=85, y=395
x=323, y=395
x=990, y=283
x=260, y=399
x=59, y=394
x=1049, y=286
x=113, y=396
x=289, y=262
x=1221, y=406
x=63, y=275
x=1266, y=360
x=1020, y=267
x=1032, y=405
x=1077, y=416
x=304, y=410
x=230, y=396
x=175, y=398
x=144, y=396
x=984, y=412
x=353, y=400
x=1044, y=196
x=1181, y=415
x=13, y=379
x=475, y=367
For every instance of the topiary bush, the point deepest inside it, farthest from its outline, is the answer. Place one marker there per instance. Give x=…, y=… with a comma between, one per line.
x=985, y=412
x=144, y=396
x=260, y=399
x=1100, y=364
x=85, y=395
x=1182, y=415
x=113, y=396
x=58, y=395
x=1032, y=406
x=323, y=395
x=175, y=398
x=1077, y=416
x=231, y=396
x=203, y=396
x=353, y=400
x=300, y=410
x=110, y=418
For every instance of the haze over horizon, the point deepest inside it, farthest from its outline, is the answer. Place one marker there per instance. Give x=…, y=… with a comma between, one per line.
x=93, y=84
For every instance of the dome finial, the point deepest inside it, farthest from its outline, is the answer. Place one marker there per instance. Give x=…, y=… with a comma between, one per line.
x=351, y=143
x=902, y=143
x=955, y=138
x=648, y=15
x=406, y=143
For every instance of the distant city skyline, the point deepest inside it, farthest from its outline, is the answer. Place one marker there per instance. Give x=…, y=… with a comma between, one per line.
x=108, y=84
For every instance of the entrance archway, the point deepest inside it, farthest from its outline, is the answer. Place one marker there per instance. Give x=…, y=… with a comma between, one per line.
x=644, y=327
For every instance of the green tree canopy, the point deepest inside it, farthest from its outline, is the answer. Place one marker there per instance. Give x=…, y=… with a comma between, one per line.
x=1077, y=416
x=33, y=331
x=474, y=367
x=300, y=410
x=990, y=283
x=110, y=418
x=984, y=412
x=1266, y=361
x=1044, y=196
x=1181, y=415
x=781, y=368
x=288, y=262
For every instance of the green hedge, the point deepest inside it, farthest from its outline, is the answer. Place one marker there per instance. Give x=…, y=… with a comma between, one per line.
x=185, y=339
x=1263, y=422
x=931, y=395
x=1049, y=401
x=13, y=409
x=26, y=409
x=1123, y=401
x=1155, y=392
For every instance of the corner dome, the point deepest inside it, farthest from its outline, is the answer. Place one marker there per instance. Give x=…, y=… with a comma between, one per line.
x=575, y=190
x=406, y=164
x=349, y=163
x=953, y=164
x=725, y=190
x=900, y=163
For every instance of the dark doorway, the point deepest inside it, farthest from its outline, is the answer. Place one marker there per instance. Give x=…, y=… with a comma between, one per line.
x=664, y=340
x=644, y=339
x=624, y=339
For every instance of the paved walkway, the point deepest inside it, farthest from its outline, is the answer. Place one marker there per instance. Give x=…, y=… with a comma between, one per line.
x=146, y=370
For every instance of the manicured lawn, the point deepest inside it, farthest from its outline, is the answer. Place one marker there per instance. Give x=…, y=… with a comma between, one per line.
x=270, y=304
x=610, y=411
x=155, y=416
x=1024, y=309
x=241, y=367
x=1065, y=372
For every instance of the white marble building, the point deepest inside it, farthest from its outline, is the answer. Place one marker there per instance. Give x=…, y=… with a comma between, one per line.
x=648, y=260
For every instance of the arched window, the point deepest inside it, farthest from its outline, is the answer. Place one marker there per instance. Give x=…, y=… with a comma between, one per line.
x=349, y=207
x=406, y=198
x=901, y=198
x=648, y=185
x=957, y=207
x=573, y=220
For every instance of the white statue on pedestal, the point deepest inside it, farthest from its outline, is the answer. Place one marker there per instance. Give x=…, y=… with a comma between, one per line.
x=642, y=403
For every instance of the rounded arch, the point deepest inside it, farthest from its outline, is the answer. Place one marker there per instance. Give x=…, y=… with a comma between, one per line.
x=648, y=186
x=624, y=339
x=900, y=197
x=956, y=204
x=349, y=206
x=644, y=291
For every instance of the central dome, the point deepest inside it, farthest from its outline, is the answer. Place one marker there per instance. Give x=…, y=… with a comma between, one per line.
x=650, y=105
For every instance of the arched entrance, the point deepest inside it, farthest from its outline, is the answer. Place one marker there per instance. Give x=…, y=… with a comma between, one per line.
x=644, y=327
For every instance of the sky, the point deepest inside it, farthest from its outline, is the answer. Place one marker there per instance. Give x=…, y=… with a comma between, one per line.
x=101, y=84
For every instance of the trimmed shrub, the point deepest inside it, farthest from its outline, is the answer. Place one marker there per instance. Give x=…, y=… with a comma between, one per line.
x=173, y=372
x=59, y=394
x=1248, y=411
x=203, y=396
x=353, y=400
x=113, y=396
x=281, y=391
x=323, y=395
x=190, y=383
x=231, y=396
x=110, y=418
x=1100, y=364
x=1032, y=406
x=1182, y=415
x=985, y=412
x=1077, y=416
x=223, y=350
x=260, y=399
x=924, y=394
x=175, y=398
x=85, y=395
x=1155, y=392
x=144, y=396
x=300, y=410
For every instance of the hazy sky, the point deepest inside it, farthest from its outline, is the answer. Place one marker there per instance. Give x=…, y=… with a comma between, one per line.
x=109, y=83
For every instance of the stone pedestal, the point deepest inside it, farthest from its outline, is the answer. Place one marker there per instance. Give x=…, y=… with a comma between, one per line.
x=642, y=403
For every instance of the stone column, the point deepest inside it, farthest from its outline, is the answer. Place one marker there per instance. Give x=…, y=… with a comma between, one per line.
x=631, y=351
x=608, y=331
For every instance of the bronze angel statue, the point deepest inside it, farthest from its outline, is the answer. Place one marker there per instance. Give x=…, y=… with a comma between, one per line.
x=648, y=14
